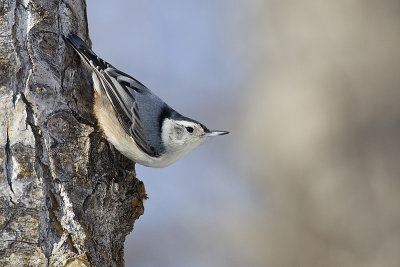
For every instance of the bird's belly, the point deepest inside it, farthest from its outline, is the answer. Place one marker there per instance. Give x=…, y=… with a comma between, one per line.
x=117, y=136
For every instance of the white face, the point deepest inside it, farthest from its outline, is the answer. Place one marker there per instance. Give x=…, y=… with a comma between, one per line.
x=181, y=137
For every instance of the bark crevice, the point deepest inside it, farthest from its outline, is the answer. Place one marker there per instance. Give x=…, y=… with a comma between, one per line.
x=8, y=163
x=43, y=171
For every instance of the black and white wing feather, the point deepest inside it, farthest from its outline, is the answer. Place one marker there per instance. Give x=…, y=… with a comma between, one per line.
x=121, y=89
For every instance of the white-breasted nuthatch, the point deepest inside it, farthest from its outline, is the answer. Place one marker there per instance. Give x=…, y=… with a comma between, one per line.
x=136, y=121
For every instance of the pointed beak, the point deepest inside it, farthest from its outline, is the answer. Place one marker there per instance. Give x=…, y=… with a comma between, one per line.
x=215, y=133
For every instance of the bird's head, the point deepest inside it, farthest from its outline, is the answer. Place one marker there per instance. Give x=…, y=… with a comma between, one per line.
x=180, y=136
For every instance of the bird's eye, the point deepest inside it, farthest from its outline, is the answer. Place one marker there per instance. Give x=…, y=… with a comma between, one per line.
x=189, y=129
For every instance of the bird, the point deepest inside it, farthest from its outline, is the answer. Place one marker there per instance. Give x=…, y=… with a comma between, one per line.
x=137, y=122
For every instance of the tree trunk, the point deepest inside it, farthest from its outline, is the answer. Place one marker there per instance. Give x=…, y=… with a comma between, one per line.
x=67, y=197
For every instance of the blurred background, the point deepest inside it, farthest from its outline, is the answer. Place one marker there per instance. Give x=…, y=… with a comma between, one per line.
x=310, y=174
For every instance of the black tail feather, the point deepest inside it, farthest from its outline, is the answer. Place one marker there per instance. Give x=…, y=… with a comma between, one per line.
x=85, y=52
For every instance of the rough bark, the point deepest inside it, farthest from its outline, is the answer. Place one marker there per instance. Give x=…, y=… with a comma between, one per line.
x=67, y=198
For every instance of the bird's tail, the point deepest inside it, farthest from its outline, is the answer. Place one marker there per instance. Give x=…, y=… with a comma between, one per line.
x=84, y=51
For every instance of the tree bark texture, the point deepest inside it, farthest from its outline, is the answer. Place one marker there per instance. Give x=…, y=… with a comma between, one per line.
x=67, y=197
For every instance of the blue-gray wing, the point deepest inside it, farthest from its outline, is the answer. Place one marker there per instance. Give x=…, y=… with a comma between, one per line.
x=121, y=89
